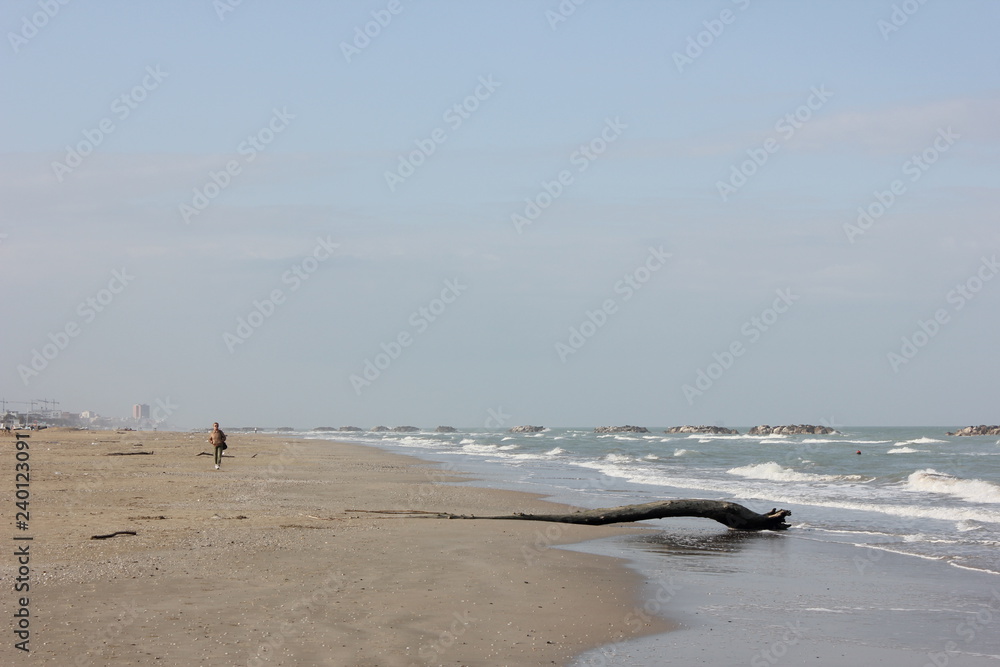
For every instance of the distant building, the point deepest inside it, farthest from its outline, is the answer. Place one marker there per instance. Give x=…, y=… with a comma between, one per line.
x=140, y=411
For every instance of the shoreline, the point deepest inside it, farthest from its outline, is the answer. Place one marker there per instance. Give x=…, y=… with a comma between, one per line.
x=766, y=597
x=259, y=563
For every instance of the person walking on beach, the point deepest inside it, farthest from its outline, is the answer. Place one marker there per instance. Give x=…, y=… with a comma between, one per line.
x=218, y=440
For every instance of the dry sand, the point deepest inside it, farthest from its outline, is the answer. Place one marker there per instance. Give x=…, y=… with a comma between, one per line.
x=260, y=564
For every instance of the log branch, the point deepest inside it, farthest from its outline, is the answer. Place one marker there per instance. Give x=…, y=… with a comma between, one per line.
x=114, y=534
x=730, y=514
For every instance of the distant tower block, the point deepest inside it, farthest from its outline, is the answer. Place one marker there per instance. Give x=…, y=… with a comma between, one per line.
x=140, y=411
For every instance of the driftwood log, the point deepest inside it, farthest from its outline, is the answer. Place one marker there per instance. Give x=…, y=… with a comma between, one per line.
x=114, y=534
x=733, y=515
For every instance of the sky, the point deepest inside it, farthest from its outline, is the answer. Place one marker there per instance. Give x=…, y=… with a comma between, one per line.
x=504, y=212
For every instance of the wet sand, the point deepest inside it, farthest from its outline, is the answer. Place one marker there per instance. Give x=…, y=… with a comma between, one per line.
x=260, y=563
x=766, y=599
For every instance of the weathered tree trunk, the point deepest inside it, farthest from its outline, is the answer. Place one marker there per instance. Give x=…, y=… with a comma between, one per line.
x=730, y=514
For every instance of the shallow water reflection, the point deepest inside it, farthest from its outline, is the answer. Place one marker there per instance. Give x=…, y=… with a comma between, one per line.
x=703, y=550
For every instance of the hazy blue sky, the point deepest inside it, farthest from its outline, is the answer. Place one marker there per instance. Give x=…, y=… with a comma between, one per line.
x=626, y=212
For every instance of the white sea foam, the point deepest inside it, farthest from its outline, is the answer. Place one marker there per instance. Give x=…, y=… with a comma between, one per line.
x=771, y=471
x=817, y=441
x=528, y=457
x=751, y=489
x=967, y=525
x=413, y=441
x=972, y=490
x=775, y=472
x=480, y=449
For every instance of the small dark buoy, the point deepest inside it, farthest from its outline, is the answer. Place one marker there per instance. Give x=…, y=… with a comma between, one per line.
x=858, y=452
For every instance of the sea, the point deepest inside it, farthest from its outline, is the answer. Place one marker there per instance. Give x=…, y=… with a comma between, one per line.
x=906, y=502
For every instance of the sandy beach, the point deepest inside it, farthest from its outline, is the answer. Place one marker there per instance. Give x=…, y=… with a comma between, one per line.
x=261, y=563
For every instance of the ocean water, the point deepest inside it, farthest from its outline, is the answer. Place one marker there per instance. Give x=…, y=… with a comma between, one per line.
x=911, y=491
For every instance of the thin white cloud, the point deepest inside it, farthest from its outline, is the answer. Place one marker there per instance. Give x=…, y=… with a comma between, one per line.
x=900, y=129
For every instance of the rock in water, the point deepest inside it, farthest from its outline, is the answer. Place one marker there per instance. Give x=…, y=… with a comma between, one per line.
x=711, y=430
x=982, y=429
x=792, y=429
x=621, y=429
x=526, y=429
